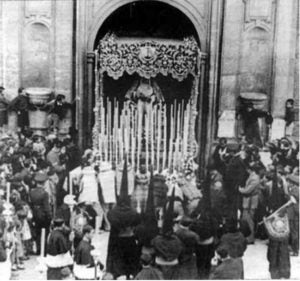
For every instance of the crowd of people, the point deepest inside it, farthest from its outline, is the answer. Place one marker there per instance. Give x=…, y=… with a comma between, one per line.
x=153, y=235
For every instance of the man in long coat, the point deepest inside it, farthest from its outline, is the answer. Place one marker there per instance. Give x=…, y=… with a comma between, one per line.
x=39, y=203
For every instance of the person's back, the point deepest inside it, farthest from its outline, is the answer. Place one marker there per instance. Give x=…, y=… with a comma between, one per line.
x=229, y=269
x=40, y=204
x=149, y=272
x=235, y=242
x=226, y=267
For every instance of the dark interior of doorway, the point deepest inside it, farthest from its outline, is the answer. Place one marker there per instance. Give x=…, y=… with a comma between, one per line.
x=147, y=19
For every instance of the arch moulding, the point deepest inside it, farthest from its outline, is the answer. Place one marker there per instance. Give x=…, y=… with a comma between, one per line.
x=185, y=6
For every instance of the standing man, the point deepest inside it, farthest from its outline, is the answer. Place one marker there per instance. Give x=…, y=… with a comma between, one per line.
x=3, y=107
x=250, y=199
x=58, y=250
x=39, y=203
x=20, y=105
x=250, y=117
x=235, y=176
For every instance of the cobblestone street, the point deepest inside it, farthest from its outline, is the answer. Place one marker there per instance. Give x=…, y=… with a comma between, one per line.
x=255, y=262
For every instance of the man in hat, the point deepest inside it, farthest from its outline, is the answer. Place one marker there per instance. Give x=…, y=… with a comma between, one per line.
x=58, y=250
x=219, y=156
x=39, y=203
x=20, y=105
x=57, y=108
x=3, y=107
x=123, y=252
x=250, y=117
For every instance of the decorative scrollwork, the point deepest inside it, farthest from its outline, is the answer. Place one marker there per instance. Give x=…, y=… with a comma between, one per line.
x=148, y=57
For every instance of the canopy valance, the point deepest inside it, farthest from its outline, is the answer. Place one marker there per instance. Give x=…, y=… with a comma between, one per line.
x=148, y=57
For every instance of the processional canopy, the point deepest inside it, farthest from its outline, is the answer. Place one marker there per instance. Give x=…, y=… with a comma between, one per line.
x=146, y=130
x=148, y=57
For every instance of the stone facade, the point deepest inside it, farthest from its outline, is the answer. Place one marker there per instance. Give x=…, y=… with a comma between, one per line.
x=251, y=46
x=36, y=45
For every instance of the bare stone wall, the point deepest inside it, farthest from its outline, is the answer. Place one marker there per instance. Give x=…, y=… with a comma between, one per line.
x=259, y=52
x=36, y=45
x=10, y=46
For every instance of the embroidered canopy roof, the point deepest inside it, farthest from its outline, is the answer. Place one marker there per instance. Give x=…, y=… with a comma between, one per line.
x=148, y=57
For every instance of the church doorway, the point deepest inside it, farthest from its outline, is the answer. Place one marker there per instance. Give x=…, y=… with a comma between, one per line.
x=147, y=82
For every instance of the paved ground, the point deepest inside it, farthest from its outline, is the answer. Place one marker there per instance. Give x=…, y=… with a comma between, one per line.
x=255, y=263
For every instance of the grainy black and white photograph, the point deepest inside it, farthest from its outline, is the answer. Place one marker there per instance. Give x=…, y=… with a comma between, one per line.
x=149, y=139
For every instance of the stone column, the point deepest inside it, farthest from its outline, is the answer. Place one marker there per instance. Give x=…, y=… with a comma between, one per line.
x=81, y=71
x=90, y=94
x=284, y=55
x=284, y=60
x=211, y=90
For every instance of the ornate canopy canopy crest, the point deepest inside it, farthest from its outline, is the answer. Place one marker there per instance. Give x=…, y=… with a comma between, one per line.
x=148, y=57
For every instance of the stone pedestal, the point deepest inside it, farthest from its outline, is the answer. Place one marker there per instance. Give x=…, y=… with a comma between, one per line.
x=38, y=97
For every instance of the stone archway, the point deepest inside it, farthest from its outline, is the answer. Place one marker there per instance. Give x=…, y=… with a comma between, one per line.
x=86, y=43
x=185, y=6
